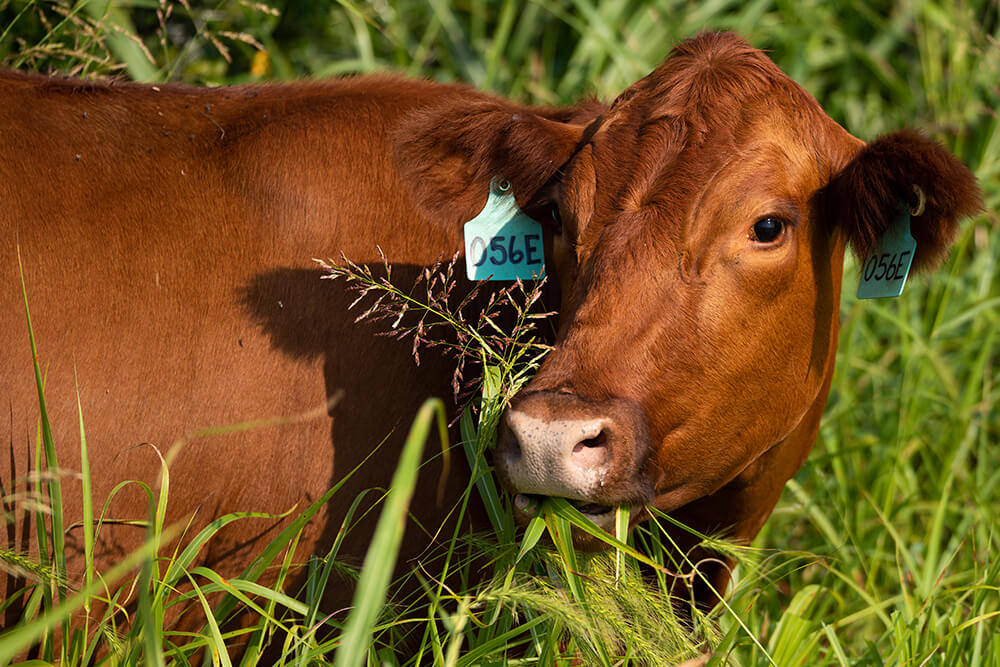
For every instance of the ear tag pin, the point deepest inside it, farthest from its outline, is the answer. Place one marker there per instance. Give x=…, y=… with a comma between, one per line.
x=501, y=242
x=887, y=266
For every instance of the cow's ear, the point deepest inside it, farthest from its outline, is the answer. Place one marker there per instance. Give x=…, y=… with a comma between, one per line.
x=906, y=168
x=577, y=195
x=450, y=153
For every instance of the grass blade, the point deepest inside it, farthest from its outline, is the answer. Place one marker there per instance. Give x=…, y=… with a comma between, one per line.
x=381, y=558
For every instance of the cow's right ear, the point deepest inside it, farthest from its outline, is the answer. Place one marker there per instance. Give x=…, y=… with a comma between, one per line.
x=904, y=167
x=450, y=153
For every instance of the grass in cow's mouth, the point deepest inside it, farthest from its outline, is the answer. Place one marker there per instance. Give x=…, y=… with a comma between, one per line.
x=591, y=508
x=531, y=504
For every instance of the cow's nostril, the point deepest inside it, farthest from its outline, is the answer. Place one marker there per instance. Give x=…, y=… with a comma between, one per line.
x=508, y=446
x=599, y=440
x=593, y=452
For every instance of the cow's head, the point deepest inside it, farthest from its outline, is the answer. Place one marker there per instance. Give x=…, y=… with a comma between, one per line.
x=702, y=221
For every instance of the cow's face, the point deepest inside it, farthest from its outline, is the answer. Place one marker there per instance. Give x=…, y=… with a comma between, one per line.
x=698, y=324
x=703, y=223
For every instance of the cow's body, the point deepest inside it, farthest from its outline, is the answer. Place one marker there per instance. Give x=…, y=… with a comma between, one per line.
x=166, y=236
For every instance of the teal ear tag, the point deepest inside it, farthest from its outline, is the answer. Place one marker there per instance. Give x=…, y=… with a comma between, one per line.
x=886, y=268
x=502, y=243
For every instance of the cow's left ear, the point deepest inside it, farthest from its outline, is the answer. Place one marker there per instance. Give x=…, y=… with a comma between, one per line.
x=450, y=153
x=902, y=168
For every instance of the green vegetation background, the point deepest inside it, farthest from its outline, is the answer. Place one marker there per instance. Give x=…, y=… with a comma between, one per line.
x=883, y=548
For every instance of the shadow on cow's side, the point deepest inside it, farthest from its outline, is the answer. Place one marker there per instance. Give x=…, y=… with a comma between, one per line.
x=269, y=468
x=380, y=389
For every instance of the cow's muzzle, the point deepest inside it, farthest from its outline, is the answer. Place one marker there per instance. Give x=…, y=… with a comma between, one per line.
x=593, y=453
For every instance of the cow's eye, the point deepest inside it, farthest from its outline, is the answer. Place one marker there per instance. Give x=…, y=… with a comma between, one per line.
x=556, y=220
x=767, y=230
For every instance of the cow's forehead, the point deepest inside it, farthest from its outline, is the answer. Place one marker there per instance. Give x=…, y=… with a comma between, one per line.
x=710, y=82
x=718, y=94
x=716, y=105
x=715, y=138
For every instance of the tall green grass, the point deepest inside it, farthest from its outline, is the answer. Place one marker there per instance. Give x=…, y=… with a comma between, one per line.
x=881, y=550
x=597, y=607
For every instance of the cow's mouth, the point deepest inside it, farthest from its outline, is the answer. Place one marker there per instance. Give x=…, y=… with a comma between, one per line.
x=529, y=504
x=590, y=509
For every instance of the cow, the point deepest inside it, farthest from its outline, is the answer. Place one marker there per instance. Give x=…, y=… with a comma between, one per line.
x=693, y=231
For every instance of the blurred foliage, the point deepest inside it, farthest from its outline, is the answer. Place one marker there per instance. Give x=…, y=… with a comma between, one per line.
x=873, y=65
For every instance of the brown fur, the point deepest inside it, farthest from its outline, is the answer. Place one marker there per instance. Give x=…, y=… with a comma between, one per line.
x=864, y=197
x=469, y=145
x=167, y=236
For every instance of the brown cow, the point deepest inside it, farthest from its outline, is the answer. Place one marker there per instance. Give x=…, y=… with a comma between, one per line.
x=166, y=234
